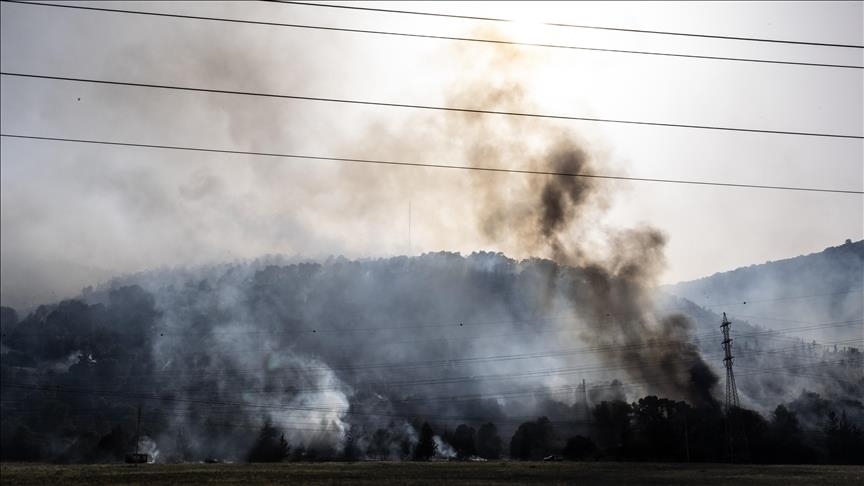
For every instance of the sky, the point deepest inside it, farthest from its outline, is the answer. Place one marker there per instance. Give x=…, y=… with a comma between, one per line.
x=74, y=215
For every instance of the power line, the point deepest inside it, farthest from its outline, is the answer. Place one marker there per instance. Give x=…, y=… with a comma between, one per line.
x=469, y=324
x=538, y=373
x=501, y=394
x=695, y=338
x=622, y=365
x=81, y=414
x=467, y=360
x=347, y=410
x=795, y=297
x=453, y=323
x=438, y=37
x=272, y=407
x=568, y=389
x=575, y=26
x=781, y=319
x=773, y=334
x=169, y=395
x=227, y=376
x=226, y=381
x=162, y=391
x=430, y=166
x=431, y=107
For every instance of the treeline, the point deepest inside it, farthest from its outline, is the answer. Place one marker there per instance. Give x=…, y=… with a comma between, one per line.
x=658, y=429
x=651, y=429
x=807, y=430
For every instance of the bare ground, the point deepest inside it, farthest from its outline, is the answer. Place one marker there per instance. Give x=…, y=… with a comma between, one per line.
x=412, y=473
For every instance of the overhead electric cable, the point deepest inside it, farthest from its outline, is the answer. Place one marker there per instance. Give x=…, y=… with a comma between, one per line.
x=431, y=166
x=531, y=374
x=430, y=107
x=469, y=324
x=695, y=339
x=222, y=402
x=237, y=377
x=437, y=37
x=575, y=26
x=623, y=364
x=794, y=297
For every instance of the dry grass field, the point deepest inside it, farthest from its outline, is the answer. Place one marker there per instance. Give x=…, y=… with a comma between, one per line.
x=412, y=473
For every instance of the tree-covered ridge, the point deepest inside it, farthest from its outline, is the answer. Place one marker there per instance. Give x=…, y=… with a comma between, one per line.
x=827, y=286
x=347, y=359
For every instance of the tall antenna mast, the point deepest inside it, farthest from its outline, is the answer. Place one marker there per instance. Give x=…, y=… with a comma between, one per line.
x=138, y=432
x=731, y=390
x=585, y=399
x=409, y=227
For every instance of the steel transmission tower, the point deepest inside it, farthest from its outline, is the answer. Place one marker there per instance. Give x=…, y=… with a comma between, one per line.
x=731, y=390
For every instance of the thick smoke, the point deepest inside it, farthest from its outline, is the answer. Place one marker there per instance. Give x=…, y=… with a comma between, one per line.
x=361, y=322
x=557, y=216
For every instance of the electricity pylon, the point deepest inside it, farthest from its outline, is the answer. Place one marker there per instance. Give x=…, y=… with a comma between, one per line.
x=731, y=401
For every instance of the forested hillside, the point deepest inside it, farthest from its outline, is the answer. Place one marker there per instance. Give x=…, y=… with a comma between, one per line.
x=351, y=358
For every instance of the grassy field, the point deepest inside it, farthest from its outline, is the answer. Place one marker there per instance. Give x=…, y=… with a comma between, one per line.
x=432, y=473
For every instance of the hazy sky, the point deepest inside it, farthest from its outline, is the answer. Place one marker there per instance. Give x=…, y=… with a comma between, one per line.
x=76, y=214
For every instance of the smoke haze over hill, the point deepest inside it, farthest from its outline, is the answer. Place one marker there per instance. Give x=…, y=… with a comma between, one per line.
x=355, y=357
x=821, y=287
x=330, y=353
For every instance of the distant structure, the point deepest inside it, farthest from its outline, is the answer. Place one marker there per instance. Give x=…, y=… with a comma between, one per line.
x=138, y=457
x=586, y=409
x=585, y=396
x=731, y=401
x=736, y=436
x=409, y=227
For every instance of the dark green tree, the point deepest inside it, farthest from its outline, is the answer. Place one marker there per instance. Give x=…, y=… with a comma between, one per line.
x=22, y=446
x=464, y=441
x=786, y=439
x=489, y=444
x=270, y=446
x=578, y=448
x=532, y=440
x=612, y=424
x=114, y=445
x=379, y=446
x=845, y=441
x=426, y=446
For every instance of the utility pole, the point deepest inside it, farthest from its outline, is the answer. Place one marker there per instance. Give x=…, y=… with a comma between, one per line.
x=409, y=227
x=686, y=440
x=138, y=432
x=585, y=400
x=137, y=457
